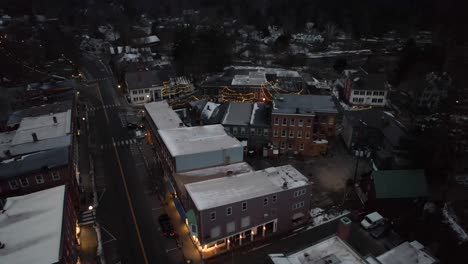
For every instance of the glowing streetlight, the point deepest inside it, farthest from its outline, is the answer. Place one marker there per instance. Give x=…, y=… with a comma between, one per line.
x=118, y=86
x=84, y=118
x=90, y=207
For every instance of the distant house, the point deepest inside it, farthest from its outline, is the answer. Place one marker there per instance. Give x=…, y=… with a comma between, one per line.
x=379, y=132
x=39, y=228
x=154, y=85
x=234, y=210
x=392, y=190
x=302, y=123
x=362, y=88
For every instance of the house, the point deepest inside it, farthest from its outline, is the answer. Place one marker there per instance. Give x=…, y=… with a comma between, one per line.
x=393, y=190
x=378, y=131
x=234, y=210
x=362, y=88
x=302, y=123
x=156, y=84
x=248, y=83
x=329, y=250
x=39, y=154
x=39, y=228
x=248, y=122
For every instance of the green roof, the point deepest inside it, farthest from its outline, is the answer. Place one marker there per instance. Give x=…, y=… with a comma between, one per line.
x=400, y=184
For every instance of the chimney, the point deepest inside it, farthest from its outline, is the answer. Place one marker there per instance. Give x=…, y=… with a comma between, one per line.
x=344, y=228
x=55, y=119
x=285, y=185
x=34, y=136
x=208, y=107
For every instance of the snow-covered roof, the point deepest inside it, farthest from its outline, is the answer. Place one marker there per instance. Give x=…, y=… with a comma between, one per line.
x=333, y=249
x=192, y=140
x=238, y=114
x=43, y=126
x=208, y=110
x=253, y=78
x=31, y=227
x=163, y=116
x=303, y=104
x=231, y=189
x=407, y=253
x=235, y=168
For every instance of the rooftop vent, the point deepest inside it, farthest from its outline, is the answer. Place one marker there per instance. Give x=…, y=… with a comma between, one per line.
x=229, y=173
x=55, y=119
x=181, y=124
x=34, y=136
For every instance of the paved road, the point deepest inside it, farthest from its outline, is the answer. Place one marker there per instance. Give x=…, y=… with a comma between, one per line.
x=124, y=212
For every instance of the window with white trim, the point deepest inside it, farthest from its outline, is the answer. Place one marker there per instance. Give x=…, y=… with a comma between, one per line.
x=276, y=121
x=307, y=135
x=24, y=182
x=265, y=132
x=291, y=134
x=301, y=146
x=259, y=131
x=229, y=211
x=252, y=131
x=298, y=205
x=290, y=146
x=301, y=122
x=283, y=145
x=275, y=133
x=292, y=122
x=234, y=130
x=299, y=134
x=55, y=175
x=39, y=179
x=265, y=201
x=245, y=221
x=242, y=131
x=13, y=184
x=244, y=206
x=283, y=133
x=213, y=216
x=299, y=192
x=285, y=121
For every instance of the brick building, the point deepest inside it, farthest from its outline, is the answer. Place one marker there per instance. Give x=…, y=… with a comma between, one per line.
x=39, y=228
x=301, y=124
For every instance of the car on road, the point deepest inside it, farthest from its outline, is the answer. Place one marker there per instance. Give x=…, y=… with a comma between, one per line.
x=372, y=220
x=166, y=226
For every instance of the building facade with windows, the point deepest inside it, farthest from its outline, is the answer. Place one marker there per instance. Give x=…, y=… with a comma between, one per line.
x=301, y=124
x=154, y=85
x=362, y=88
x=231, y=211
x=43, y=229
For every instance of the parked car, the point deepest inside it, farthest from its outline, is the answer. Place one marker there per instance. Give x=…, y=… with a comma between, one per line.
x=381, y=231
x=140, y=133
x=372, y=220
x=166, y=226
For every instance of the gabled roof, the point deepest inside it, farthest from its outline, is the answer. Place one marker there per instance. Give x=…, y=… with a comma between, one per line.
x=390, y=184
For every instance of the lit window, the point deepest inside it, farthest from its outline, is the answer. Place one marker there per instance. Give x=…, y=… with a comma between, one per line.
x=55, y=176
x=213, y=216
x=229, y=211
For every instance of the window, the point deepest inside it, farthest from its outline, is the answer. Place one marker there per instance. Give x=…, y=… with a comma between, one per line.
x=369, y=93
x=299, y=134
x=213, y=216
x=282, y=145
x=379, y=100
x=134, y=92
x=356, y=92
x=245, y=221
x=215, y=232
x=301, y=122
x=301, y=146
x=135, y=99
x=259, y=131
x=146, y=90
x=374, y=100
x=140, y=92
x=355, y=100
x=289, y=146
x=298, y=205
x=244, y=206
x=229, y=211
x=291, y=134
x=55, y=176
x=376, y=93
x=252, y=131
x=142, y=98
x=24, y=182
x=285, y=121
x=39, y=179
x=362, y=93
x=275, y=146
x=299, y=192
x=13, y=184
x=230, y=227
x=283, y=133
x=276, y=121
x=307, y=135
x=274, y=198
x=309, y=122
x=265, y=132
x=292, y=122
x=265, y=201
x=234, y=130
x=275, y=133
x=381, y=93
x=242, y=131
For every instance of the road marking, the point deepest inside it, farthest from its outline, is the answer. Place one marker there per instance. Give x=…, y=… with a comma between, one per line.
x=140, y=241
x=102, y=103
x=171, y=249
x=102, y=147
x=126, y=142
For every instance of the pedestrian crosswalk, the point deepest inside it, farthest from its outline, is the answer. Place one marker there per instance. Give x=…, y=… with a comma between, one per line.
x=99, y=79
x=120, y=143
x=87, y=218
x=94, y=108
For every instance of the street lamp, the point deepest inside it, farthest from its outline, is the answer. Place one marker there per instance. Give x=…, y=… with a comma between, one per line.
x=90, y=208
x=118, y=86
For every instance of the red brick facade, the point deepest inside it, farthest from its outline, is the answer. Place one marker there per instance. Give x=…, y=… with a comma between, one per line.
x=296, y=133
x=69, y=245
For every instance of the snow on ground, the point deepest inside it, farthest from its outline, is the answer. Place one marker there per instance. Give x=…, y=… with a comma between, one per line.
x=319, y=216
x=451, y=220
x=345, y=106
